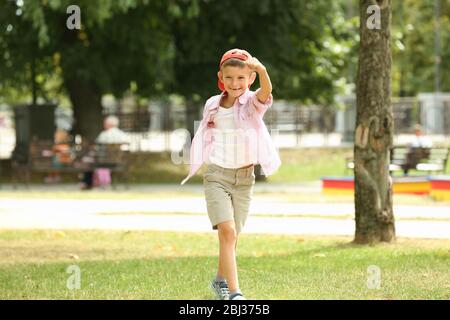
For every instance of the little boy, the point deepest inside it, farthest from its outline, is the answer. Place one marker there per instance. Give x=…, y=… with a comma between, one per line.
x=231, y=139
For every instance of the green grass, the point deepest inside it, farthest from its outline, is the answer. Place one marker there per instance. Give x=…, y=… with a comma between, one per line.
x=298, y=165
x=167, y=265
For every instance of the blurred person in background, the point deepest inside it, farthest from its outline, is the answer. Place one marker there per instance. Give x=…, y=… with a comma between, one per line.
x=110, y=135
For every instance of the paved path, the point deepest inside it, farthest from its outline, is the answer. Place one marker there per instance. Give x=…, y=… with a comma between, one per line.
x=189, y=215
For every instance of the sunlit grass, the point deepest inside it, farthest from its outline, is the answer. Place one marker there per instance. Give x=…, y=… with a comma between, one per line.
x=168, y=265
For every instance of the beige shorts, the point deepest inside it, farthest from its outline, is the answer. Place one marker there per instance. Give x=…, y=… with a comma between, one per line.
x=228, y=193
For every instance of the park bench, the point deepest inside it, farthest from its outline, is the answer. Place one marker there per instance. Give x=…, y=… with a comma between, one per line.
x=429, y=160
x=114, y=157
x=40, y=158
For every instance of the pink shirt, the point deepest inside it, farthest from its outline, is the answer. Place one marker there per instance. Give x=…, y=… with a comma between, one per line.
x=248, y=116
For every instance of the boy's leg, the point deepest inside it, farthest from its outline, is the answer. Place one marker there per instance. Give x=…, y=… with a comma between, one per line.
x=220, y=270
x=227, y=253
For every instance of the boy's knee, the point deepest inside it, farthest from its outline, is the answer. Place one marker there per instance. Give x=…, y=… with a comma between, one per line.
x=227, y=232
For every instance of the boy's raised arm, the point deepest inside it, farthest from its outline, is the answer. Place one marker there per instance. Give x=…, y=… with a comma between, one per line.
x=264, y=79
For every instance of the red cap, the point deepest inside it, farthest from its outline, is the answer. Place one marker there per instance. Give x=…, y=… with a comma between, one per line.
x=233, y=53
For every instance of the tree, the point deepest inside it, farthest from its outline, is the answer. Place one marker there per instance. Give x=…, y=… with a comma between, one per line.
x=23, y=63
x=413, y=46
x=291, y=39
x=374, y=130
x=128, y=47
x=173, y=47
x=119, y=42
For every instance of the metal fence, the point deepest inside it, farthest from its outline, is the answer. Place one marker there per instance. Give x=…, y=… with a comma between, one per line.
x=298, y=118
x=447, y=118
x=155, y=129
x=7, y=134
x=406, y=114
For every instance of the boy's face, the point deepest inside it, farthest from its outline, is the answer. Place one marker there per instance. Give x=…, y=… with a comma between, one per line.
x=236, y=79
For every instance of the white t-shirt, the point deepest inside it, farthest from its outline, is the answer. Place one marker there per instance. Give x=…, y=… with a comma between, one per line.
x=421, y=142
x=230, y=146
x=112, y=135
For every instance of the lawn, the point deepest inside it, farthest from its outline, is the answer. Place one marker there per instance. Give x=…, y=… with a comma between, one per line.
x=298, y=165
x=168, y=265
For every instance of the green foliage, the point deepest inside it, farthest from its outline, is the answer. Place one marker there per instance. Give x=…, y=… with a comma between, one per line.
x=288, y=38
x=165, y=47
x=174, y=47
x=120, y=41
x=413, y=46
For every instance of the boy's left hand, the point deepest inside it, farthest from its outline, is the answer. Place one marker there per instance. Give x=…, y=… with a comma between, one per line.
x=266, y=86
x=255, y=65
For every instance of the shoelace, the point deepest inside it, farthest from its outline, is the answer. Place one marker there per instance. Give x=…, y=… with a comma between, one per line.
x=223, y=288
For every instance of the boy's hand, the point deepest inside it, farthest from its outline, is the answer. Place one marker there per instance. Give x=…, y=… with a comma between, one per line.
x=264, y=80
x=255, y=65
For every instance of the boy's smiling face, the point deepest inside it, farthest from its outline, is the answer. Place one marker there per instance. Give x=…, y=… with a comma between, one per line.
x=236, y=79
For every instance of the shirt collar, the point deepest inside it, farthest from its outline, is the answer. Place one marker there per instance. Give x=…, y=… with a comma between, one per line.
x=243, y=98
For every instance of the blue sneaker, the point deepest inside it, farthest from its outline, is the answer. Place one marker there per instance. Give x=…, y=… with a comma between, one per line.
x=220, y=290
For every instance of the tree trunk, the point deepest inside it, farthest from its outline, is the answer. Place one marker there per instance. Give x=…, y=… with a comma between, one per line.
x=374, y=129
x=87, y=108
